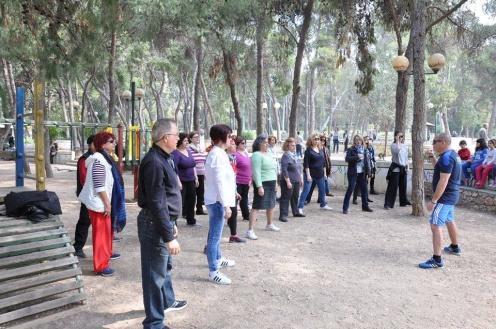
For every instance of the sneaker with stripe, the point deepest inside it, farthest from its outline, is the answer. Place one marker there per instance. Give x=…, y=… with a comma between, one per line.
x=219, y=278
x=224, y=262
x=431, y=263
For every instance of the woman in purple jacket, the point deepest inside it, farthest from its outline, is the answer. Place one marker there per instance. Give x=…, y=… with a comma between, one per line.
x=243, y=176
x=185, y=168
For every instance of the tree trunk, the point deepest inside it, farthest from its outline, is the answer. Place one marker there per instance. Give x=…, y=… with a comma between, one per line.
x=229, y=70
x=8, y=77
x=402, y=92
x=261, y=117
x=492, y=121
x=293, y=116
x=197, y=89
x=418, y=128
x=74, y=135
x=311, y=100
x=207, y=102
x=111, y=71
x=444, y=115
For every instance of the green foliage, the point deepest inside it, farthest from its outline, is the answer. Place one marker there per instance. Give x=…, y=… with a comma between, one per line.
x=249, y=134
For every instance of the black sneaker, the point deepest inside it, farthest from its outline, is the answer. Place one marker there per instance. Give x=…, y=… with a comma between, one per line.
x=367, y=209
x=115, y=256
x=80, y=253
x=176, y=306
x=299, y=215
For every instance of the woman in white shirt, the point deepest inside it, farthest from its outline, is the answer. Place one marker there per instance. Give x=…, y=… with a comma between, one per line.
x=482, y=171
x=220, y=196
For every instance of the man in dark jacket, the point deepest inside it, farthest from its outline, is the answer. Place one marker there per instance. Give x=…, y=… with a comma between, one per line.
x=159, y=196
x=83, y=224
x=358, y=169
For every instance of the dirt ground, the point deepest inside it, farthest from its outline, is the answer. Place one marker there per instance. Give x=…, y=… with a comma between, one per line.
x=327, y=270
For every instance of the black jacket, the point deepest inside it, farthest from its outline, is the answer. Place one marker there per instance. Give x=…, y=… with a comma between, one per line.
x=352, y=158
x=159, y=192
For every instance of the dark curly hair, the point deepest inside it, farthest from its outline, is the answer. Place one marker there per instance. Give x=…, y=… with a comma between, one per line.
x=182, y=137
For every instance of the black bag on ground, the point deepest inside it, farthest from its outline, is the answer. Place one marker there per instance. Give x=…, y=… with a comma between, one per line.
x=32, y=204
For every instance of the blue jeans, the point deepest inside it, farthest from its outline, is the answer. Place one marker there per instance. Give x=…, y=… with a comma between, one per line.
x=215, y=226
x=306, y=189
x=472, y=165
x=361, y=180
x=156, y=264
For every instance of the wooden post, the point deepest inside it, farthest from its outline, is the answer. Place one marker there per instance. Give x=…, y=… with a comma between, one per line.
x=120, y=145
x=39, y=134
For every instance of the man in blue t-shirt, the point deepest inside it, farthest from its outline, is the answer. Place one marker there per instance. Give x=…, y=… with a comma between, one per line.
x=446, y=189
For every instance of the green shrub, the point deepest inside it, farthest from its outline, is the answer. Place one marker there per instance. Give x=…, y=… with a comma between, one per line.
x=249, y=134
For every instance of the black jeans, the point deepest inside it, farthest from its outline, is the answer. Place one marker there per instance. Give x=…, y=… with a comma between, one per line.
x=200, y=192
x=335, y=146
x=188, y=194
x=156, y=265
x=397, y=180
x=289, y=196
x=233, y=220
x=357, y=189
x=243, y=203
x=361, y=180
x=82, y=227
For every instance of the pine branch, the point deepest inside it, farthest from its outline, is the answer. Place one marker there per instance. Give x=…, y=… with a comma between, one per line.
x=445, y=14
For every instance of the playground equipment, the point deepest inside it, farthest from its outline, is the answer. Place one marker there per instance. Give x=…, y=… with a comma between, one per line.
x=133, y=135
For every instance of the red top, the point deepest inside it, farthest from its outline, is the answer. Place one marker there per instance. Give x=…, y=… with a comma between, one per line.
x=464, y=154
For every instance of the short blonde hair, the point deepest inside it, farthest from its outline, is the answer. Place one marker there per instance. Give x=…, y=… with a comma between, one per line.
x=285, y=146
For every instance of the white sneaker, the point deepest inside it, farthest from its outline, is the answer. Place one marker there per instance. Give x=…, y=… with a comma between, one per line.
x=218, y=278
x=300, y=211
x=326, y=207
x=250, y=234
x=272, y=227
x=224, y=262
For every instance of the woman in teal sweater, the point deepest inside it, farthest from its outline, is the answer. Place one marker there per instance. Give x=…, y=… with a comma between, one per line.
x=264, y=168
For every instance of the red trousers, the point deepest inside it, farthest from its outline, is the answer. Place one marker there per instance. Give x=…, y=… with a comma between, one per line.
x=101, y=234
x=481, y=174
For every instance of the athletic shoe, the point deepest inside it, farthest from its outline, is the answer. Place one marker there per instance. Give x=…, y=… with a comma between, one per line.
x=300, y=211
x=454, y=251
x=431, y=263
x=250, y=234
x=325, y=208
x=80, y=253
x=107, y=272
x=218, y=278
x=236, y=239
x=272, y=227
x=224, y=262
x=176, y=306
x=115, y=256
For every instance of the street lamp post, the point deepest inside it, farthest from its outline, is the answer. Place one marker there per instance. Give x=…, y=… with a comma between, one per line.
x=435, y=61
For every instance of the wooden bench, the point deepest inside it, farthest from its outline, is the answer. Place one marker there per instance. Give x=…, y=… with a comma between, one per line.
x=38, y=268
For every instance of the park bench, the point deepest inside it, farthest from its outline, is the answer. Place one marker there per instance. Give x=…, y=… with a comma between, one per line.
x=38, y=268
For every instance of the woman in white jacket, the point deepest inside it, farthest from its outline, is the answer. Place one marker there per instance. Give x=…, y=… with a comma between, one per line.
x=96, y=196
x=220, y=196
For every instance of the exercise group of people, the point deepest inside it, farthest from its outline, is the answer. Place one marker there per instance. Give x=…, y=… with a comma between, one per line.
x=177, y=178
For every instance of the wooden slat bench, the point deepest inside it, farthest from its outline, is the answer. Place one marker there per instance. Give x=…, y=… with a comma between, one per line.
x=38, y=269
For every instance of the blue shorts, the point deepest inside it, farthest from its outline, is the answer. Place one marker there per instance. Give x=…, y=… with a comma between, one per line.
x=442, y=214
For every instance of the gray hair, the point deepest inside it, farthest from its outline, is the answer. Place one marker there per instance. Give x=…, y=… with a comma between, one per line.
x=161, y=128
x=444, y=137
x=259, y=140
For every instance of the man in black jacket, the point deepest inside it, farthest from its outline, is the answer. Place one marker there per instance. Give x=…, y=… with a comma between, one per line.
x=83, y=224
x=159, y=196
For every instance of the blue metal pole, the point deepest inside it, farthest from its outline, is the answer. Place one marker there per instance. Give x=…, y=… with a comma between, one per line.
x=19, y=136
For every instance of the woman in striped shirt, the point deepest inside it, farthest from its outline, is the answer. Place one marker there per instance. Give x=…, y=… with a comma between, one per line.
x=200, y=157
